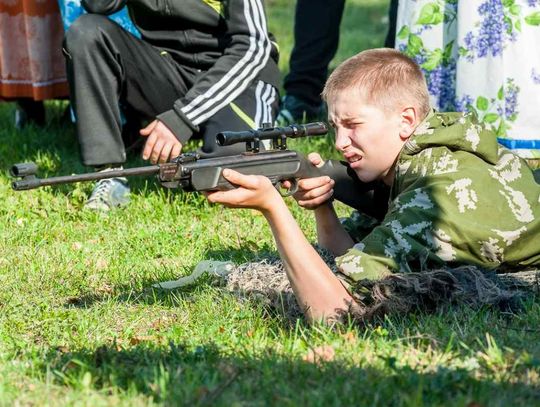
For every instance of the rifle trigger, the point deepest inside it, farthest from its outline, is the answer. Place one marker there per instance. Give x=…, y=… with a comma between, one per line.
x=288, y=192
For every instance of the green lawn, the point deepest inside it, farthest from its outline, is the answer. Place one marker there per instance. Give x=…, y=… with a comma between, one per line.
x=81, y=325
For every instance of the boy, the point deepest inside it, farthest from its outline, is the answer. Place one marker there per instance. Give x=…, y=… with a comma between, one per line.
x=456, y=196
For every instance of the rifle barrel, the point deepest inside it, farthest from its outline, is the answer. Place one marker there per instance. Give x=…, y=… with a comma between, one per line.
x=32, y=182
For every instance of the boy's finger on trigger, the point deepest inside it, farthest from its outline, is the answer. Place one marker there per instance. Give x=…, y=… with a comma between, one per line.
x=317, y=201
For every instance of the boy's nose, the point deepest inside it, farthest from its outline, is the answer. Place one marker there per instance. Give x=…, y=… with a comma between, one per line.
x=342, y=139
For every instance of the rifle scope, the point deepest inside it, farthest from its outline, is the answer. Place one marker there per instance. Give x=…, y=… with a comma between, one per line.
x=227, y=138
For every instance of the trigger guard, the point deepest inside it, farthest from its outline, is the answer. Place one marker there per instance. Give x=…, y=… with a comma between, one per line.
x=291, y=191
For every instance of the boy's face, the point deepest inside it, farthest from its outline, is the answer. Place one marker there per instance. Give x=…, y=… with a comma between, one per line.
x=369, y=138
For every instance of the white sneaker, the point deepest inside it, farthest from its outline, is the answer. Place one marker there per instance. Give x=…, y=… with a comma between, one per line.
x=108, y=194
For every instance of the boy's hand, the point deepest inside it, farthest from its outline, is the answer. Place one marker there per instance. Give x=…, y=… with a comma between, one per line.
x=254, y=191
x=313, y=192
x=161, y=144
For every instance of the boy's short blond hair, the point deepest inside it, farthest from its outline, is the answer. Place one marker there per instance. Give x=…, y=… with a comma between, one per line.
x=384, y=76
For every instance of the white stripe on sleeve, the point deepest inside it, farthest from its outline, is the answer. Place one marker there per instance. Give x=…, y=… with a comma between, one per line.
x=234, y=83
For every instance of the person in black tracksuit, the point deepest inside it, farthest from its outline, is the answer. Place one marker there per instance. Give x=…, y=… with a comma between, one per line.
x=200, y=67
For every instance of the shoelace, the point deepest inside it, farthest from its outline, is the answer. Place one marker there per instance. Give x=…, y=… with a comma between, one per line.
x=101, y=190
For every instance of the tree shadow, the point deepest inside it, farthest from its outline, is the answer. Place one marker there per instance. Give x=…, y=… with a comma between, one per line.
x=203, y=373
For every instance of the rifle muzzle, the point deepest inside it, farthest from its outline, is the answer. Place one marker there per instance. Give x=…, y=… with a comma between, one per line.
x=26, y=184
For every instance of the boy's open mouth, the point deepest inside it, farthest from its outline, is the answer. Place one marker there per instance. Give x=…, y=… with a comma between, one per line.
x=352, y=157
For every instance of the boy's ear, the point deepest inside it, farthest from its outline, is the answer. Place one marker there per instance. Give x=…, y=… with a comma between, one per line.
x=409, y=121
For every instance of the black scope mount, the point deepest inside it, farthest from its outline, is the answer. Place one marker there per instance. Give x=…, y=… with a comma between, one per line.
x=278, y=135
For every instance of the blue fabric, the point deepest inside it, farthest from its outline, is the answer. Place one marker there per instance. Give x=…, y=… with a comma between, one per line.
x=519, y=144
x=72, y=9
x=478, y=56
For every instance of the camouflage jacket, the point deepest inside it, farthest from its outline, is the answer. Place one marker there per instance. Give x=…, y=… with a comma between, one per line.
x=458, y=198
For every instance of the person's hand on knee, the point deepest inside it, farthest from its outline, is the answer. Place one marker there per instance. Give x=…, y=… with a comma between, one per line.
x=161, y=144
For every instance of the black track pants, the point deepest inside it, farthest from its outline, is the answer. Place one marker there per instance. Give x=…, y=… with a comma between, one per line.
x=316, y=36
x=113, y=74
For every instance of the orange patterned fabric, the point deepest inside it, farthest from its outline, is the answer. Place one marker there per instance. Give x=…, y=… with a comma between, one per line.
x=31, y=60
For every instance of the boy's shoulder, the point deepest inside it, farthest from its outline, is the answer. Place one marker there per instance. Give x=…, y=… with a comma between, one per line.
x=445, y=143
x=457, y=164
x=458, y=130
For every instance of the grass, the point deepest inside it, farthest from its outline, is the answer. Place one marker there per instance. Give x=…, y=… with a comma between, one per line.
x=81, y=325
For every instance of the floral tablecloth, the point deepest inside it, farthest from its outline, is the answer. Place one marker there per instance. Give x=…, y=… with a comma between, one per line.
x=482, y=56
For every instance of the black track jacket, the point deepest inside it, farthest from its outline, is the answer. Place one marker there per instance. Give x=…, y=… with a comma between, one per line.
x=226, y=39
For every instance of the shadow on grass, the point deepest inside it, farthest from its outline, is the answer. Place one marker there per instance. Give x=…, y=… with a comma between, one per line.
x=203, y=374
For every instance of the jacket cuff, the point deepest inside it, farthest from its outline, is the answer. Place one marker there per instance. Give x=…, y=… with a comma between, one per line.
x=182, y=128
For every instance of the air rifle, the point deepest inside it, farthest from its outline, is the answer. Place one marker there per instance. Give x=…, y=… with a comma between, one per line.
x=191, y=172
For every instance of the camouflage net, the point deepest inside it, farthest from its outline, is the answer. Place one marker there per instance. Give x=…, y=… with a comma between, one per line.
x=265, y=281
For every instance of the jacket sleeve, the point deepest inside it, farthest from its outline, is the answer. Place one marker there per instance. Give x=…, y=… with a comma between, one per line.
x=408, y=239
x=244, y=57
x=103, y=6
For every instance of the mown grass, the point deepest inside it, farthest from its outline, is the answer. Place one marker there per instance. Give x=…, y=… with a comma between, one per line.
x=81, y=325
